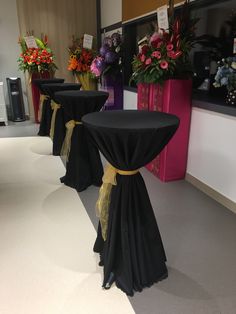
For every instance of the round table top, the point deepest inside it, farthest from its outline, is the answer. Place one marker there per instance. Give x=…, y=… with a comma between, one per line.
x=130, y=120
x=72, y=94
x=39, y=82
x=51, y=89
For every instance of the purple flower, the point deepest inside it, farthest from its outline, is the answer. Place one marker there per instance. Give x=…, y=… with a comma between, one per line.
x=103, y=50
x=110, y=57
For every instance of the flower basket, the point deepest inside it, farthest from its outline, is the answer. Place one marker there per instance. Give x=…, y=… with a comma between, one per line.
x=37, y=59
x=80, y=60
x=107, y=67
x=87, y=82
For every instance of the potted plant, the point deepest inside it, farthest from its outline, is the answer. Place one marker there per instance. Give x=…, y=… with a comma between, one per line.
x=108, y=67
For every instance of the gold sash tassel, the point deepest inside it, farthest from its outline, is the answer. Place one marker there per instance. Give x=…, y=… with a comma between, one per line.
x=54, y=107
x=65, y=151
x=41, y=101
x=103, y=202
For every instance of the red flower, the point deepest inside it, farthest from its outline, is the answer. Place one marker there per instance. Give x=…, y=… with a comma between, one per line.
x=144, y=49
x=174, y=54
x=164, y=65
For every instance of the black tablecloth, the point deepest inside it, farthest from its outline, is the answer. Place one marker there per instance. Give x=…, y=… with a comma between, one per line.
x=84, y=165
x=59, y=131
x=133, y=250
x=46, y=115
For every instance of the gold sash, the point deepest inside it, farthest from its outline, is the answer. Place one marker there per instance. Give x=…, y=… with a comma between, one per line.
x=41, y=101
x=65, y=150
x=103, y=202
x=54, y=107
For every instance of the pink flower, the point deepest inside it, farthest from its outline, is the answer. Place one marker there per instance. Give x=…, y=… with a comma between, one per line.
x=156, y=40
x=169, y=47
x=148, y=61
x=164, y=65
x=155, y=36
x=156, y=54
x=142, y=58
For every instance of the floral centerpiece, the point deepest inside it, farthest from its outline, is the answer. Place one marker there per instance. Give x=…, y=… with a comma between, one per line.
x=38, y=59
x=107, y=66
x=166, y=53
x=226, y=76
x=108, y=62
x=80, y=60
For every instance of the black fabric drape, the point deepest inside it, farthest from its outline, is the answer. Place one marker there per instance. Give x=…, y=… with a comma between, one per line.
x=133, y=251
x=59, y=130
x=84, y=165
x=45, y=123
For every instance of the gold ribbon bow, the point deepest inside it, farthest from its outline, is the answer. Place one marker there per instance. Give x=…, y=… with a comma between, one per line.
x=41, y=101
x=65, y=150
x=54, y=107
x=103, y=202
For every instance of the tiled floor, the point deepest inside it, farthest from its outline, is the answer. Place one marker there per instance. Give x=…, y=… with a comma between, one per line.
x=55, y=270
x=47, y=265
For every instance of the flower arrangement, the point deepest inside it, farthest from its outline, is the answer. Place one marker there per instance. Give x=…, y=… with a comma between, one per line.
x=226, y=74
x=165, y=55
x=108, y=62
x=80, y=58
x=36, y=60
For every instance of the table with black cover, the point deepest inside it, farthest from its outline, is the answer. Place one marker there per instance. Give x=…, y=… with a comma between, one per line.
x=84, y=167
x=46, y=110
x=59, y=128
x=132, y=254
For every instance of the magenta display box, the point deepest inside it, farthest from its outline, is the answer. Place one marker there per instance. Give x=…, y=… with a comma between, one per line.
x=173, y=97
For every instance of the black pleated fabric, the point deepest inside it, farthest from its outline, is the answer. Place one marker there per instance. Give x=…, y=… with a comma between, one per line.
x=84, y=166
x=133, y=251
x=59, y=130
x=45, y=123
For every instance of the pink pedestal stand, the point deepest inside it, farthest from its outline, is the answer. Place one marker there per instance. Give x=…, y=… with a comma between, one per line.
x=173, y=97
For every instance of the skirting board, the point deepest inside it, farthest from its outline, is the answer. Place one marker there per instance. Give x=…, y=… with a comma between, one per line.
x=223, y=200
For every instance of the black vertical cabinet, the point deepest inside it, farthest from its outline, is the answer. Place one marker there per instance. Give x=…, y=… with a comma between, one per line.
x=16, y=99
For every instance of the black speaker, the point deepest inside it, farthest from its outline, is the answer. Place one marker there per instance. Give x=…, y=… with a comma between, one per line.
x=16, y=99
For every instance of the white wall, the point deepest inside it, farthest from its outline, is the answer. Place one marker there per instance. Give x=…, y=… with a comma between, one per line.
x=212, y=151
x=111, y=12
x=9, y=52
